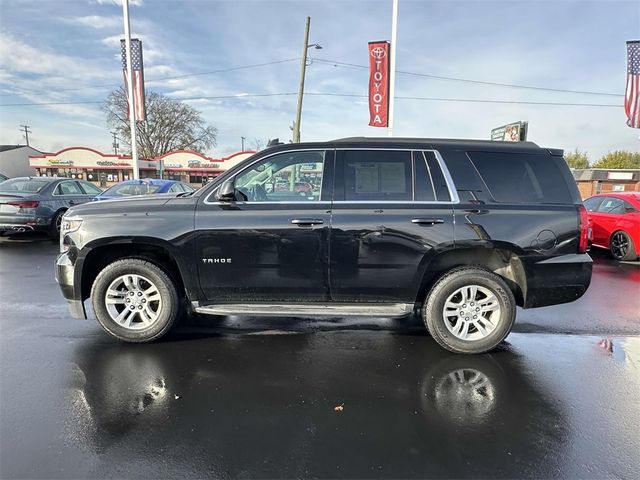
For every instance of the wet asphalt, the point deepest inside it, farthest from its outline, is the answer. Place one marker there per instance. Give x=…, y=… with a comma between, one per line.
x=283, y=398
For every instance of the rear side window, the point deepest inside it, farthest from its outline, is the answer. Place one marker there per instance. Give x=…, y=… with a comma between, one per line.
x=377, y=175
x=592, y=203
x=613, y=205
x=68, y=188
x=522, y=177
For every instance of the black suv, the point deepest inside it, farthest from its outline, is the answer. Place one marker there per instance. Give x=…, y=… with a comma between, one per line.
x=464, y=230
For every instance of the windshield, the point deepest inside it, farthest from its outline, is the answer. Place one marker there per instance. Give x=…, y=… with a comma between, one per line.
x=23, y=185
x=130, y=190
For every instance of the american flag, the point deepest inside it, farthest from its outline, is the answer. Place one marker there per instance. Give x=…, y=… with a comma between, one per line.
x=138, y=75
x=632, y=95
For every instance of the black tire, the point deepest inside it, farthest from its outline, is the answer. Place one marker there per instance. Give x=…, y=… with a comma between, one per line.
x=447, y=285
x=621, y=246
x=54, y=229
x=170, y=302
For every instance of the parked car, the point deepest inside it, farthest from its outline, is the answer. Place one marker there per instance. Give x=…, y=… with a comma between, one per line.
x=145, y=186
x=38, y=203
x=462, y=231
x=615, y=220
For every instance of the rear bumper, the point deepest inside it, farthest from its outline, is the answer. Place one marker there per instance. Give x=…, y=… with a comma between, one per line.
x=22, y=223
x=65, y=273
x=557, y=280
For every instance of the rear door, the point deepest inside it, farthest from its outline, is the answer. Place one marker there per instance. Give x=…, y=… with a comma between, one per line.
x=69, y=193
x=392, y=210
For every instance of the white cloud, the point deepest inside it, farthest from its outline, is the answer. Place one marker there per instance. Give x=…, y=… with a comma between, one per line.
x=134, y=3
x=96, y=21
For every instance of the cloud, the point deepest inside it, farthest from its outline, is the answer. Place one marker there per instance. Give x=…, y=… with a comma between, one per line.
x=133, y=3
x=96, y=21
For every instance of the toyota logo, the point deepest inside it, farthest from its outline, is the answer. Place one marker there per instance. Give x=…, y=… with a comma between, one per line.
x=378, y=53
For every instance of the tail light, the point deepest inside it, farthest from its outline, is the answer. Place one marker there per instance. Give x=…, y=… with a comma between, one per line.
x=25, y=204
x=585, y=230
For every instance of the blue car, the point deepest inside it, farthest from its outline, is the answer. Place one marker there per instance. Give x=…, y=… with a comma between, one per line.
x=145, y=186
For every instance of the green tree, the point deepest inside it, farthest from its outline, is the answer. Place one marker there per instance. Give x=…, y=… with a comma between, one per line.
x=577, y=159
x=169, y=125
x=619, y=159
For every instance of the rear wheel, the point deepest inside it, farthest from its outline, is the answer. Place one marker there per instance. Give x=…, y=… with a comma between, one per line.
x=56, y=223
x=135, y=300
x=621, y=246
x=469, y=310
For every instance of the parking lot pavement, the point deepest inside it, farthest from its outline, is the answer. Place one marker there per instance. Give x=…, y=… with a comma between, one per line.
x=288, y=398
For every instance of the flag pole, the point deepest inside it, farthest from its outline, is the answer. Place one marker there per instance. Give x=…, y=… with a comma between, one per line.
x=392, y=66
x=132, y=107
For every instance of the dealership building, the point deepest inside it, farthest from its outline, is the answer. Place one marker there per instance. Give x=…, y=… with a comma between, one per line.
x=105, y=169
x=591, y=181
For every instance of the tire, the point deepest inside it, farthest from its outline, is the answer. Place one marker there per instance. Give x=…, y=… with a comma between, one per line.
x=491, y=301
x=143, y=285
x=54, y=230
x=621, y=246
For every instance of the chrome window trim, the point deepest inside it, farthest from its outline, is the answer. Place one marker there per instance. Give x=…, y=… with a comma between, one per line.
x=426, y=164
x=324, y=150
x=453, y=194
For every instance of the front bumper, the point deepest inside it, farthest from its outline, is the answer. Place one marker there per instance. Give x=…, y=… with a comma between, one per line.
x=556, y=280
x=65, y=273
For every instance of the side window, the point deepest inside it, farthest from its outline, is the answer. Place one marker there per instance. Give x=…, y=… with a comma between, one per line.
x=286, y=177
x=377, y=175
x=90, y=188
x=611, y=205
x=68, y=188
x=522, y=177
x=187, y=188
x=175, y=188
x=592, y=204
x=424, y=190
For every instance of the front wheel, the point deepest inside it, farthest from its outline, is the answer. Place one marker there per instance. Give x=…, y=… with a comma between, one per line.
x=469, y=310
x=135, y=300
x=622, y=247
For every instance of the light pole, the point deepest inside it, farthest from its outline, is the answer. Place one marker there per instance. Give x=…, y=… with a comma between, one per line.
x=303, y=69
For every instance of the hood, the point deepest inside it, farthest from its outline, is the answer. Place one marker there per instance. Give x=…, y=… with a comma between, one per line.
x=141, y=203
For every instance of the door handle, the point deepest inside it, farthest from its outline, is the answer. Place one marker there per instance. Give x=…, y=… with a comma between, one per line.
x=307, y=221
x=427, y=221
x=71, y=202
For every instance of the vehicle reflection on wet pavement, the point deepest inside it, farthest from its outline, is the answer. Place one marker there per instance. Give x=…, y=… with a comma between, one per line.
x=257, y=398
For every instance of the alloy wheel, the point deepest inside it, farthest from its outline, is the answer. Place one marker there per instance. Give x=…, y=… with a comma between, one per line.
x=619, y=245
x=133, y=302
x=472, y=312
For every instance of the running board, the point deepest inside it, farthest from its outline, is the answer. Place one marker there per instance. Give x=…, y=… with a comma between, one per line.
x=385, y=310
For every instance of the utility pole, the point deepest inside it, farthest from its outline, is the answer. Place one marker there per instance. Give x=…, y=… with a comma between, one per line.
x=132, y=107
x=115, y=144
x=303, y=70
x=26, y=132
x=242, y=144
x=392, y=66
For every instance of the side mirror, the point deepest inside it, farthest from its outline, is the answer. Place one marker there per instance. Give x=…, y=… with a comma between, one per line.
x=227, y=192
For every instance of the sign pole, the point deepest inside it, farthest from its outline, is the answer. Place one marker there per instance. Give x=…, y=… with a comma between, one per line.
x=392, y=67
x=132, y=108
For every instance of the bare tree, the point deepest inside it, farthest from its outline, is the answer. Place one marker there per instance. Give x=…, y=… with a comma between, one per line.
x=257, y=144
x=170, y=125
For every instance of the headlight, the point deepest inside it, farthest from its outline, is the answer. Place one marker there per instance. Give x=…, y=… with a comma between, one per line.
x=68, y=225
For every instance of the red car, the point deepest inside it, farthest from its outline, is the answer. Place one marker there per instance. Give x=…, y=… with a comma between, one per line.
x=615, y=220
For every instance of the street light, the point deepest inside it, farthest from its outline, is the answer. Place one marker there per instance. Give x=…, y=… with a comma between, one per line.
x=303, y=69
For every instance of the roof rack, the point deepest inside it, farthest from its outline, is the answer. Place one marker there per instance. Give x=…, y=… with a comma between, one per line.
x=445, y=141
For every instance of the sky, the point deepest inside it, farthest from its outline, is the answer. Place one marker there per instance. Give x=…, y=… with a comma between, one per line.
x=66, y=54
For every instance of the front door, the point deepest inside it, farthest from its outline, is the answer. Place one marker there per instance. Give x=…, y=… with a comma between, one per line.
x=271, y=244
x=392, y=210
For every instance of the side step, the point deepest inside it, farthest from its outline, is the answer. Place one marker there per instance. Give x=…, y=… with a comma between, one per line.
x=385, y=310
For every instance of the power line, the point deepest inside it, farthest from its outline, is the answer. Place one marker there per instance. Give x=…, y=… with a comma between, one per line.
x=336, y=63
x=328, y=94
x=160, y=79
